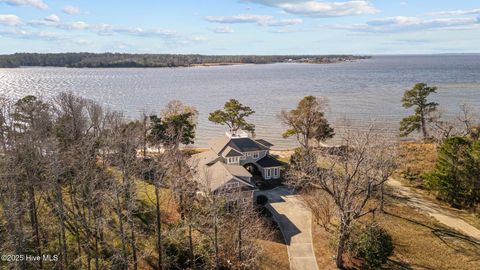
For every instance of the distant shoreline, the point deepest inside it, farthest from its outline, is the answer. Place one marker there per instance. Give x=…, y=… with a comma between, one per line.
x=113, y=60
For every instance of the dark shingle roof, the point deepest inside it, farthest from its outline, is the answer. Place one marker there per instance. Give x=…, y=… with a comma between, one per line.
x=246, y=145
x=264, y=143
x=269, y=161
x=239, y=144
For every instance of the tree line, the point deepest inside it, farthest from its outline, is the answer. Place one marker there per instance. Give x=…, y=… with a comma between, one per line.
x=80, y=181
x=100, y=60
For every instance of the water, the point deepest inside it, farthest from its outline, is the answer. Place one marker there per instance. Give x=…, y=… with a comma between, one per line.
x=359, y=91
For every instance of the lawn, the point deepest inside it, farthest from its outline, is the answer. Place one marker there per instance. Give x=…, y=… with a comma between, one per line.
x=416, y=158
x=275, y=255
x=420, y=241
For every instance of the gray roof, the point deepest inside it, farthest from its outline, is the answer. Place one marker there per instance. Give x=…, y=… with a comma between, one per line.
x=240, y=144
x=264, y=143
x=238, y=171
x=230, y=152
x=246, y=145
x=219, y=144
x=268, y=161
x=204, y=158
x=220, y=173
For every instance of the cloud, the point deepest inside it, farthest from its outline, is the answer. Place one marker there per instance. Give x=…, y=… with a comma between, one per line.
x=24, y=34
x=223, y=30
x=408, y=24
x=455, y=12
x=71, y=10
x=286, y=31
x=32, y=3
x=263, y=20
x=10, y=19
x=74, y=26
x=52, y=18
x=315, y=8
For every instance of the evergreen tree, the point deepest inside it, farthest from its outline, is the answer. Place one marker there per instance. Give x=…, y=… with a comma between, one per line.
x=233, y=115
x=417, y=98
x=456, y=172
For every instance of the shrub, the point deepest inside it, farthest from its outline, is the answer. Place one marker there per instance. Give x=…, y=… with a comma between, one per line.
x=374, y=245
x=456, y=173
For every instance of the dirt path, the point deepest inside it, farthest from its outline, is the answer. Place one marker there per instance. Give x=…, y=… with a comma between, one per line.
x=295, y=222
x=442, y=215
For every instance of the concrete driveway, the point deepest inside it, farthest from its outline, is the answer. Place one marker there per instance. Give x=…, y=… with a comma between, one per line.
x=295, y=222
x=442, y=215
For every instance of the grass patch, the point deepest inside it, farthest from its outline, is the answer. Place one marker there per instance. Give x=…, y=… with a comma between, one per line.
x=416, y=158
x=275, y=254
x=420, y=241
x=423, y=243
x=324, y=251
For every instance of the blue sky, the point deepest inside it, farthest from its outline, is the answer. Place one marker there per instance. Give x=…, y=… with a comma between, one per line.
x=241, y=26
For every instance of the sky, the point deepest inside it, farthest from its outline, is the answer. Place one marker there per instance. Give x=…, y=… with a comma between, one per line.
x=241, y=26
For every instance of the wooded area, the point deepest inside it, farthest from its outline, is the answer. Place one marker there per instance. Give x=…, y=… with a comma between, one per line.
x=92, y=60
x=74, y=182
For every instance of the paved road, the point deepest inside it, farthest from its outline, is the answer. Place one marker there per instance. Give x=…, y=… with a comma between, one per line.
x=295, y=222
x=442, y=215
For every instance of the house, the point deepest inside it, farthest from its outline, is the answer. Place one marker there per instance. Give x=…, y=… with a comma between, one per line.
x=235, y=162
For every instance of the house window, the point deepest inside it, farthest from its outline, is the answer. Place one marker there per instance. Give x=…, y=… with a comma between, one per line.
x=232, y=160
x=243, y=157
x=249, y=154
x=256, y=155
x=268, y=173
x=232, y=185
x=276, y=172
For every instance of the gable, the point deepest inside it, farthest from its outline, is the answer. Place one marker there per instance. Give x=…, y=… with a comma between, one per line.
x=230, y=152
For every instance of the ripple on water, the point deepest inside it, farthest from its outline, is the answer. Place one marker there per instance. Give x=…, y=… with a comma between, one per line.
x=360, y=91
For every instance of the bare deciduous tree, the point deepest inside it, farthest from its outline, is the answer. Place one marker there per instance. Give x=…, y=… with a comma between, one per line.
x=350, y=176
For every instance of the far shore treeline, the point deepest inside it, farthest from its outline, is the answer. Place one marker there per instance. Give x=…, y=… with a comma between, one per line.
x=98, y=60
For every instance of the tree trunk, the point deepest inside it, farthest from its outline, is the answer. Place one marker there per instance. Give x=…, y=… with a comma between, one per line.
x=382, y=198
x=190, y=242
x=121, y=230
x=239, y=248
x=97, y=236
x=159, y=229
x=134, y=246
x=215, y=237
x=341, y=245
x=34, y=223
x=61, y=214
x=19, y=234
x=424, y=126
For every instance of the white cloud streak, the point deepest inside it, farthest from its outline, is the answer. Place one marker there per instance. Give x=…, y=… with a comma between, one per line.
x=24, y=34
x=262, y=20
x=315, y=8
x=455, y=12
x=110, y=30
x=10, y=19
x=223, y=30
x=71, y=10
x=409, y=24
x=32, y=3
x=52, y=18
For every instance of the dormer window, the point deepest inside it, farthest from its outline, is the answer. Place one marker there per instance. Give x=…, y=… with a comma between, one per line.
x=233, y=160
